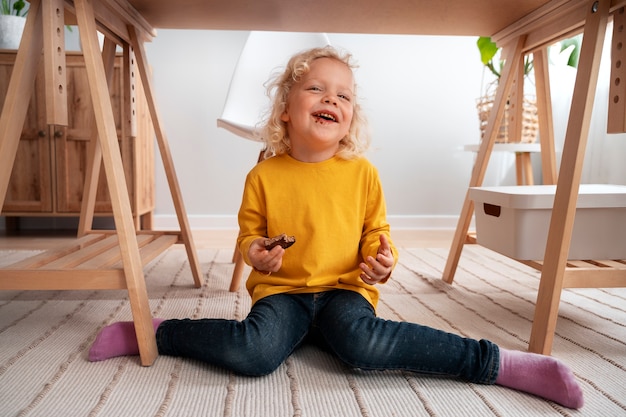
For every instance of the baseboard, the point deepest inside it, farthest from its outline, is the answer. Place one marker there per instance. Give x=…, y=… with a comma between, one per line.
x=211, y=222
x=57, y=223
x=207, y=222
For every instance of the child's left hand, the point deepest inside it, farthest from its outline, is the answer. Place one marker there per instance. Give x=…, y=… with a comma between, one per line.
x=379, y=268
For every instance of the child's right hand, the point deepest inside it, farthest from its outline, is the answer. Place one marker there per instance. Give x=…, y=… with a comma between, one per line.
x=264, y=260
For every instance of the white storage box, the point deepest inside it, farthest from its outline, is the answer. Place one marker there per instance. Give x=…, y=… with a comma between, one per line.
x=514, y=220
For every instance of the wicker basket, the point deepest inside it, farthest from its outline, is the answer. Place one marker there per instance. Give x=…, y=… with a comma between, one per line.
x=530, y=122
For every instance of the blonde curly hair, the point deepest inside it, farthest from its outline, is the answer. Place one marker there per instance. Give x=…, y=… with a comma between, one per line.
x=274, y=130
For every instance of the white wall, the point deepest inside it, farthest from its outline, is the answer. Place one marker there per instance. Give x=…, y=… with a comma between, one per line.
x=418, y=93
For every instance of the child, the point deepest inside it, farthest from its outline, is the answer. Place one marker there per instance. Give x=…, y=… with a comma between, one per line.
x=316, y=185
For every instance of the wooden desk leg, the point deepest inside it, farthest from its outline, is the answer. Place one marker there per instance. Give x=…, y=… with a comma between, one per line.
x=529, y=178
x=519, y=168
x=564, y=210
x=513, y=58
x=524, y=169
x=166, y=156
x=19, y=93
x=460, y=236
x=544, y=115
x=114, y=170
x=92, y=175
x=147, y=221
x=235, y=281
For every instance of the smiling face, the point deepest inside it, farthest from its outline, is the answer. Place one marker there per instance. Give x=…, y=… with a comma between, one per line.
x=319, y=110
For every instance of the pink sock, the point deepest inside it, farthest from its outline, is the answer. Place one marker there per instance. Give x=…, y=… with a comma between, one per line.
x=117, y=339
x=540, y=375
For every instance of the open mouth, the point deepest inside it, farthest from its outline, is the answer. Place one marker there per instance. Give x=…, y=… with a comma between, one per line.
x=325, y=116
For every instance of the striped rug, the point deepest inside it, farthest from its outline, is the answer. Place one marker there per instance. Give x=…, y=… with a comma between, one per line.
x=45, y=336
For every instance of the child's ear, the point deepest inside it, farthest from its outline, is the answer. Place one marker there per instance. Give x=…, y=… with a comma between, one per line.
x=284, y=116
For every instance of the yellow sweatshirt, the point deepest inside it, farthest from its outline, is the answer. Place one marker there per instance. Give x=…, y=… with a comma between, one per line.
x=336, y=211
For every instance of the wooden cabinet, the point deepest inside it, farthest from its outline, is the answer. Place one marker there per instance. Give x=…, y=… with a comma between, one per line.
x=49, y=170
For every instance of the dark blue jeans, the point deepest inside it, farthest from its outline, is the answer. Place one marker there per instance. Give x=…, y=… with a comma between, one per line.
x=340, y=321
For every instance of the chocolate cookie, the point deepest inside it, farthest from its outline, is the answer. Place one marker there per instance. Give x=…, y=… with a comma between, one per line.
x=282, y=240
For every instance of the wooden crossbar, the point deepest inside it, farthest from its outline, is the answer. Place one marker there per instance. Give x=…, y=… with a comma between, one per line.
x=590, y=273
x=92, y=262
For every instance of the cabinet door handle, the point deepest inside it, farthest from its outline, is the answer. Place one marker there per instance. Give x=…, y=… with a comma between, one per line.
x=42, y=133
x=58, y=134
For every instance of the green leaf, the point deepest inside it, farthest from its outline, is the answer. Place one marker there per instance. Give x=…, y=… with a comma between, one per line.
x=18, y=6
x=6, y=7
x=573, y=58
x=487, y=48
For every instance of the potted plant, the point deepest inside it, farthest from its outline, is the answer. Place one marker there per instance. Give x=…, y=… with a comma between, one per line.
x=488, y=51
x=12, y=21
x=490, y=59
x=14, y=8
